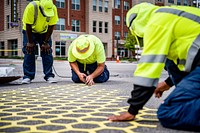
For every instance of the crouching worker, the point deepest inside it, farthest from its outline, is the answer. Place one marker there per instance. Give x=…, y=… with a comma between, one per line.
x=167, y=44
x=86, y=57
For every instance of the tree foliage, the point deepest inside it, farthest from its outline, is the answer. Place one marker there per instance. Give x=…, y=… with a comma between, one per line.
x=130, y=42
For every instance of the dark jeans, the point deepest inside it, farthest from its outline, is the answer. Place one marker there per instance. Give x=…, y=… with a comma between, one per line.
x=90, y=68
x=181, y=109
x=29, y=59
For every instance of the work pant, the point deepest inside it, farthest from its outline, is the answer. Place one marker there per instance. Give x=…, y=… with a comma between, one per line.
x=181, y=109
x=29, y=59
x=90, y=68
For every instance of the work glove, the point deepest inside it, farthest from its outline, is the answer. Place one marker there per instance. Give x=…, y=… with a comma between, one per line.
x=30, y=48
x=45, y=48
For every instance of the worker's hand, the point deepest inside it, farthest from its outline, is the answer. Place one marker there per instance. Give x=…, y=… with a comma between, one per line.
x=122, y=117
x=82, y=77
x=161, y=87
x=89, y=80
x=30, y=48
x=46, y=48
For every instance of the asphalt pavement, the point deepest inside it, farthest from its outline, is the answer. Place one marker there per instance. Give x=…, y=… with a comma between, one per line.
x=67, y=107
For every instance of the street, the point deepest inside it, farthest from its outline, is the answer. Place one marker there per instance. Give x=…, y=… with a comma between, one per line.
x=74, y=108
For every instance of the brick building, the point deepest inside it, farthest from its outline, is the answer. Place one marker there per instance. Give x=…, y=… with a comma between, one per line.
x=103, y=18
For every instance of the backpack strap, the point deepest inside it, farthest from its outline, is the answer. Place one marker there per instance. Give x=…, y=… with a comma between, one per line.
x=35, y=11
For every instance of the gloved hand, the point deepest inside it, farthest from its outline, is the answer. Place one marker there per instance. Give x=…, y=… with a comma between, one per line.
x=45, y=48
x=30, y=48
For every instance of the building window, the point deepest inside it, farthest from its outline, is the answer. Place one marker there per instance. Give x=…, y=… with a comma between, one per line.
x=117, y=4
x=117, y=20
x=76, y=4
x=100, y=26
x=178, y=2
x=14, y=47
x=76, y=25
x=94, y=26
x=100, y=5
x=125, y=35
x=106, y=27
x=126, y=5
x=185, y=3
x=60, y=24
x=117, y=35
x=8, y=21
x=60, y=49
x=2, y=47
x=105, y=6
x=8, y=2
x=170, y=1
x=60, y=3
x=94, y=5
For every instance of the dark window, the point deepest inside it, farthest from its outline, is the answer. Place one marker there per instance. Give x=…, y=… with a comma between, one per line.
x=60, y=49
x=94, y=26
x=76, y=4
x=106, y=27
x=100, y=26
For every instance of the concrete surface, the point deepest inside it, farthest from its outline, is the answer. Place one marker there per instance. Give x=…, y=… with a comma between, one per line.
x=74, y=108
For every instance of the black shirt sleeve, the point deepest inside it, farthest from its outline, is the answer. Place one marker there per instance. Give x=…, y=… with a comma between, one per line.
x=169, y=82
x=139, y=96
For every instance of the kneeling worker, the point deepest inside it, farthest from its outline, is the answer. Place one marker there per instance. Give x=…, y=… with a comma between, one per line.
x=86, y=56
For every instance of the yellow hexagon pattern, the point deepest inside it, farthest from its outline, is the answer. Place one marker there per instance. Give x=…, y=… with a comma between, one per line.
x=71, y=108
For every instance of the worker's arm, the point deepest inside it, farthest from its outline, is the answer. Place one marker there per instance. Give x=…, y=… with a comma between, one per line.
x=30, y=44
x=75, y=67
x=45, y=46
x=139, y=96
x=96, y=73
x=49, y=33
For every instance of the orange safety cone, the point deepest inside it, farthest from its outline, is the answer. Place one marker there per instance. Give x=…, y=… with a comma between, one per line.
x=117, y=59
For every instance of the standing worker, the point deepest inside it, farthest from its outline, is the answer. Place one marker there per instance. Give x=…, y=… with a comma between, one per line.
x=171, y=37
x=86, y=56
x=39, y=20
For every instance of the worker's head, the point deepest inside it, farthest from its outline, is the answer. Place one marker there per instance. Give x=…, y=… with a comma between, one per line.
x=138, y=16
x=47, y=7
x=83, y=47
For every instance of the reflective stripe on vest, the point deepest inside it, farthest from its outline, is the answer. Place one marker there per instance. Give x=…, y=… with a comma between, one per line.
x=195, y=45
x=152, y=59
x=148, y=82
x=35, y=11
x=131, y=18
x=180, y=13
x=192, y=53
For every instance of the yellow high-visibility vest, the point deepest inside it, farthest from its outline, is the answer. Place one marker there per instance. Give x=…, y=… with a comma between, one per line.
x=168, y=32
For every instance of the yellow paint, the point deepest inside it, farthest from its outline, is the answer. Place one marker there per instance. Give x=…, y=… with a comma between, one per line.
x=73, y=97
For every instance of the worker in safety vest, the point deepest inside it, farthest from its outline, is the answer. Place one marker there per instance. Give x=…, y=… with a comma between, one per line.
x=86, y=56
x=39, y=19
x=171, y=39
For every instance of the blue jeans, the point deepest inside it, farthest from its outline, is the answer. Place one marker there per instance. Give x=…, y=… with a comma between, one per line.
x=29, y=59
x=181, y=109
x=90, y=68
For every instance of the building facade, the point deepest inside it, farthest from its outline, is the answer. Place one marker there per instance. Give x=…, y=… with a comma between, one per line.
x=76, y=17
x=103, y=18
